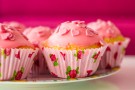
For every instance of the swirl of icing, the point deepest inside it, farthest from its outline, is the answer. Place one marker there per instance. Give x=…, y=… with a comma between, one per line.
x=12, y=38
x=37, y=34
x=64, y=28
x=73, y=33
x=105, y=29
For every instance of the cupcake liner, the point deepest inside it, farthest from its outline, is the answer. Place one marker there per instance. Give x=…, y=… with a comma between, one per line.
x=113, y=55
x=73, y=63
x=39, y=66
x=15, y=64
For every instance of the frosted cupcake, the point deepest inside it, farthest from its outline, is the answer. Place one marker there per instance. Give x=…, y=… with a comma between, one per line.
x=35, y=36
x=20, y=27
x=117, y=43
x=73, y=50
x=16, y=58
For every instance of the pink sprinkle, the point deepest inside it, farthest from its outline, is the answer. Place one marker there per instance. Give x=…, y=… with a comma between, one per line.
x=89, y=33
x=41, y=33
x=25, y=37
x=3, y=30
x=10, y=29
x=64, y=31
x=11, y=36
x=4, y=36
x=75, y=32
x=7, y=36
x=78, y=22
x=75, y=22
x=57, y=29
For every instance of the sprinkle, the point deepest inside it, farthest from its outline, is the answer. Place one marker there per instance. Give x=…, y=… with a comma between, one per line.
x=6, y=33
x=64, y=31
x=90, y=32
x=78, y=22
x=3, y=30
x=57, y=29
x=41, y=33
x=75, y=32
x=75, y=22
x=7, y=36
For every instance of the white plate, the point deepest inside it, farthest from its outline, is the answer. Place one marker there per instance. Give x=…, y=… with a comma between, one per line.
x=48, y=79
x=47, y=82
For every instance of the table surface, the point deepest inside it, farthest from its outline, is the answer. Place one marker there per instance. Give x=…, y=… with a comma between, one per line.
x=123, y=80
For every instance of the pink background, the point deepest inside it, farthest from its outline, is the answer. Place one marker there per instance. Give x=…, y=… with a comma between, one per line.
x=53, y=12
x=70, y=7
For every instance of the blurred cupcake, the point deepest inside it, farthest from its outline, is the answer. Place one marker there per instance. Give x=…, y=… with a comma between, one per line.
x=35, y=36
x=19, y=26
x=73, y=50
x=117, y=43
x=16, y=57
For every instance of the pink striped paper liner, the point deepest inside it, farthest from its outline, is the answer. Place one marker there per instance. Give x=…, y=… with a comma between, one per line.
x=72, y=63
x=15, y=64
x=40, y=66
x=113, y=55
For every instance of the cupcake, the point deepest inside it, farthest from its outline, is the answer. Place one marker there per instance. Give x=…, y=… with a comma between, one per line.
x=73, y=50
x=16, y=57
x=20, y=27
x=35, y=36
x=116, y=42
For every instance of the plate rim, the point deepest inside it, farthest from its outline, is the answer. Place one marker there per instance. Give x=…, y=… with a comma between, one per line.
x=97, y=76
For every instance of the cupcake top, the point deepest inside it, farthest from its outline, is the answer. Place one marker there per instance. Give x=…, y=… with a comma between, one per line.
x=20, y=27
x=107, y=30
x=73, y=35
x=37, y=34
x=10, y=37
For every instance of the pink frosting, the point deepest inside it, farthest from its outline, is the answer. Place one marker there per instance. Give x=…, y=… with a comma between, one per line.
x=11, y=38
x=74, y=32
x=37, y=34
x=106, y=29
x=20, y=27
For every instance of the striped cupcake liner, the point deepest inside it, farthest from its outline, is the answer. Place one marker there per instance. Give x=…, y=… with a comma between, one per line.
x=73, y=63
x=15, y=64
x=113, y=55
x=39, y=67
